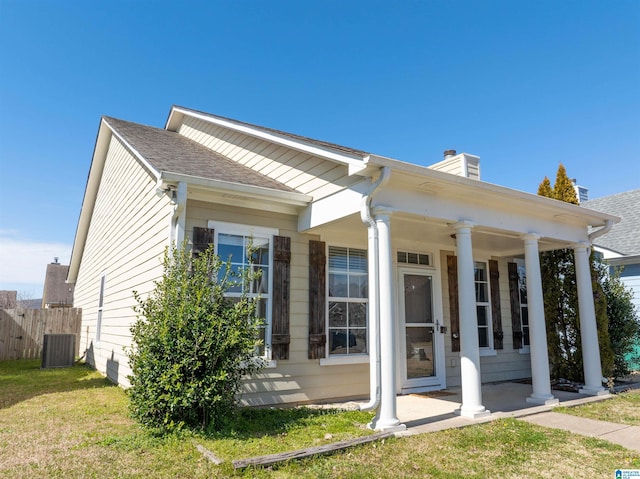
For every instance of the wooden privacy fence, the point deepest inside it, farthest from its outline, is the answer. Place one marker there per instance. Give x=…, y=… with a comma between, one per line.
x=22, y=330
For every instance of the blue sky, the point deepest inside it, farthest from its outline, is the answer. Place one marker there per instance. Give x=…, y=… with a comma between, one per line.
x=523, y=84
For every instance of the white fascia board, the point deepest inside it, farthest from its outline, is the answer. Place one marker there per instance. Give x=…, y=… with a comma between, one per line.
x=257, y=192
x=89, y=200
x=272, y=137
x=331, y=208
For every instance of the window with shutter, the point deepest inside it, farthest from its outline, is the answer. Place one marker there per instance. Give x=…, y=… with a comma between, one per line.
x=347, y=301
x=245, y=246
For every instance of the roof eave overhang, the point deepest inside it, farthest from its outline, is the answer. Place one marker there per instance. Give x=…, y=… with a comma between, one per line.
x=354, y=161
x=291, y=198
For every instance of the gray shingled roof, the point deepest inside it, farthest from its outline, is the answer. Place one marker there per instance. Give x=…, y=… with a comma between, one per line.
x=624, y=237
x=293, y=136
x=167, y=151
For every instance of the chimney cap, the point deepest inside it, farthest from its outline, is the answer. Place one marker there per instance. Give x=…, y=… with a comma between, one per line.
x=448, y=153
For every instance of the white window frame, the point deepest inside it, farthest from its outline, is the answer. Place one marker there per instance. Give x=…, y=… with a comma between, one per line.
x=100, y=311
x=249, y=231
x=489, y=349
x=348, y=358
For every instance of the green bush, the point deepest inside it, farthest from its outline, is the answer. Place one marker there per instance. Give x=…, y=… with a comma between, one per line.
x=191, y=345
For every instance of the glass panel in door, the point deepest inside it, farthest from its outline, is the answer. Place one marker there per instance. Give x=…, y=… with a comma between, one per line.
x=419, y=326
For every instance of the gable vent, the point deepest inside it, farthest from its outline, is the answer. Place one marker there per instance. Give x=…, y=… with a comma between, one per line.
x=414, y=258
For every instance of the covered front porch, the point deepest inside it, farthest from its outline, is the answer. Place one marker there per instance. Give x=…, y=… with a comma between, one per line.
x=458, y=226
x=436, y=411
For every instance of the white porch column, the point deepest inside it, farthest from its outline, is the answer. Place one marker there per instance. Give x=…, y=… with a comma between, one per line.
x=387, y=417
x=588, y=327
x=469, y=346
x=537, y=327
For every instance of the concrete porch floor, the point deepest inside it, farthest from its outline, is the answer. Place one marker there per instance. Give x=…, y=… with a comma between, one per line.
x=428, y=412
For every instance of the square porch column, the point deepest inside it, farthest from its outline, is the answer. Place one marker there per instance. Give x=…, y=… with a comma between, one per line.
x=540, y=377
x=588, y=328
x=469, y=346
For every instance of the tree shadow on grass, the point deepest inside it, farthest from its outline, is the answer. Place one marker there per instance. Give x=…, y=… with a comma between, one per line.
x=21, y=380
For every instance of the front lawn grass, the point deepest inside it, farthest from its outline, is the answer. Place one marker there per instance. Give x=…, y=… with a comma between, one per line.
x=623, y=408
x=73, y=423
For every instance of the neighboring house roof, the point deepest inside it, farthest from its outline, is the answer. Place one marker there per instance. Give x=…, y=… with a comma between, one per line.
x=167, y=151
x=624, y=237
x=56, y=291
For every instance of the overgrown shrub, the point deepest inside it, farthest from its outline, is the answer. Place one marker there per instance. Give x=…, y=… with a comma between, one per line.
x=191, y=345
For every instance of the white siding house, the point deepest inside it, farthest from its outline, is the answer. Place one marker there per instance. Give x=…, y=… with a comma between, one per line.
x=401, y=278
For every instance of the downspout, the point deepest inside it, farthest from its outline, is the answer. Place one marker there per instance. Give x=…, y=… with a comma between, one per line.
x=179, y=201
x=374, y=291
x=605, y=229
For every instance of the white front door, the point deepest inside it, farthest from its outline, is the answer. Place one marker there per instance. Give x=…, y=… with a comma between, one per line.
x=421, y=339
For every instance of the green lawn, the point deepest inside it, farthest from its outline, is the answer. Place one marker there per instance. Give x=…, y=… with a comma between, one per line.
x=73, y=423
x=622, y=408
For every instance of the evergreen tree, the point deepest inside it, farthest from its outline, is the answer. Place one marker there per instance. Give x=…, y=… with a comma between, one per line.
x=561, y=299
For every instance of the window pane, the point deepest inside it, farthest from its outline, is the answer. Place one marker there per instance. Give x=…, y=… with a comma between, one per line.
x=337, y=259
x=261, y=284
x=358, y=286
x=337, y=315
x=357, y=261
x=482, y=315
x=412, y=258
x=361, y=341
x=480, y=271
x=483, y=337
x=231, y=246
x=339, y=341
x=357, y=315
x=260, y=248
x=524, y=315
x=482, y=295
x=338, y=286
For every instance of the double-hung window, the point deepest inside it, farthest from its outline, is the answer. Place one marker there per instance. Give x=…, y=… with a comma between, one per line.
x=248, y=247
x=347, y=301
x=483, y=304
